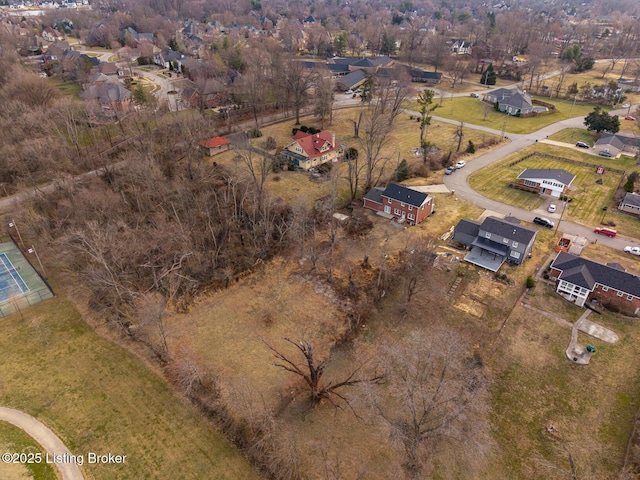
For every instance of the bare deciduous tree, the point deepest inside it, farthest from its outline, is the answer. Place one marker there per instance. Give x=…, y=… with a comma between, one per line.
x=323, y=98
x=433, y=397
x=298, y=81
x=150, y=314
x=312, y=371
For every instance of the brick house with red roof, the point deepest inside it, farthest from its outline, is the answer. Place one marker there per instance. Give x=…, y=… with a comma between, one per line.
x=310, y=150
x=215, y=145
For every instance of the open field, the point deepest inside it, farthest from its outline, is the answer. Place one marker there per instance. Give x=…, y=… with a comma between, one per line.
x=472, y=110
x=67, y=88
x=595, y=77
x=97, y=397
x=588, y=198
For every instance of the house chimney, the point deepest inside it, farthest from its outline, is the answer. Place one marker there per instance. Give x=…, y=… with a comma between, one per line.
x=333, y=140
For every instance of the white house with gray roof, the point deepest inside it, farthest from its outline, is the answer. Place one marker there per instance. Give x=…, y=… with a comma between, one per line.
x=513, y=102
x=630, y=203
x=546, y=181
x=494, y=241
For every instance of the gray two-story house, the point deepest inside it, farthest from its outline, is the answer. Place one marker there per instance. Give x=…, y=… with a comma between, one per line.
x=494, y=241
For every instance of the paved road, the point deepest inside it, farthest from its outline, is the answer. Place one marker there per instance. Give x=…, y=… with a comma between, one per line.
x=45, y=437
x=459, y=182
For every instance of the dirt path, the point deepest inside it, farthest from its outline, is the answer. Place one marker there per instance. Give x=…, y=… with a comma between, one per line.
x=45, y=437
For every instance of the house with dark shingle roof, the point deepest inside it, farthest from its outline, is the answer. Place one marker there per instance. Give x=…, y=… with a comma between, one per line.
x=400, y=202
x=351, y=80
x=630, y=203
x=546, y=181
x=580, y=280
x=617, y=143
x=513, y=102
x=423, y=76
x=494, y=241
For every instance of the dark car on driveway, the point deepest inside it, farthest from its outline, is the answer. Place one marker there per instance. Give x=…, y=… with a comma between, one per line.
x=545, y=222
x=582, y=145
x=605, y=153
x=449, y=170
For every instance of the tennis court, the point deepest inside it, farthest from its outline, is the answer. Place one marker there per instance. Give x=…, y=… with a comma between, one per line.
x=20, y=284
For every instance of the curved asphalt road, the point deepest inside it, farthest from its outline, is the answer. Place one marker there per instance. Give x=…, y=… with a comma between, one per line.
x=45, y=437
x=458, y=181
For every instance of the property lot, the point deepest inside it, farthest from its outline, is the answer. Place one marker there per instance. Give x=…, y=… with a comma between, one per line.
x=588, y=197
x=472, y=110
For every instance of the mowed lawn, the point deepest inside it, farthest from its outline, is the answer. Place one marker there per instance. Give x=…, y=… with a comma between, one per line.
x=588, y=198
x=573, y=135
x=473, y=110
x=97, y=397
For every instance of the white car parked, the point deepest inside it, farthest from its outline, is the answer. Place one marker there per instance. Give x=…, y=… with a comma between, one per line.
x=632, y=250
x=552, y=208
x=461, y=164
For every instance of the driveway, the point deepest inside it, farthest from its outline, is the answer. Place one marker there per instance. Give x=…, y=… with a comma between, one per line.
x=45, y=437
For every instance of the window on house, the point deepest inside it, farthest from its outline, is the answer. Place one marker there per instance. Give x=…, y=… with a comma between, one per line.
x=396, y=211
x=410, y=208
x=629, y=297
x=529, y=183
x=619, y=294
x=515, y=245
x=487, y=235
x=515, y=254
x=411, y=217
x=402, y=204
x=389, y=200
x=605, y=289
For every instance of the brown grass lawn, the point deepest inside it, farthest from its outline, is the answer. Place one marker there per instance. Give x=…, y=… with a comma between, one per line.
x=595, y=77
x=588, y=198
x=98, y=397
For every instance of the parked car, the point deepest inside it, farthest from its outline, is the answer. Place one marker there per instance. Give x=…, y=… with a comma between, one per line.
x=605, y=153
x=474, y=95
x=545, y=222
x=449, y=170
x=626, y=105
x=461, y=164
x=629, y=117
x=552, y=208
x=609, y=232
x=632, y=250
x=358, y=91
x=348, y=92
x=582, y=145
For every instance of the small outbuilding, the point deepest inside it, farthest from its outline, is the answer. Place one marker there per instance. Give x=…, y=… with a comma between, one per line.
x=215, y=145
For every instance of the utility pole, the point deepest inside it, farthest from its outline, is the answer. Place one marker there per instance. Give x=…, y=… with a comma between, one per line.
x=13, y=224
x=33, y=250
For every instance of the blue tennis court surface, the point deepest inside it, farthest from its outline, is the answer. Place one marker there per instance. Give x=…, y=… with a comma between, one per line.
x=11, y=283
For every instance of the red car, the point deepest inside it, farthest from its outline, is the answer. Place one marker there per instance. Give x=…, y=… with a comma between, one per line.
x=629, y=117
x=606, y=231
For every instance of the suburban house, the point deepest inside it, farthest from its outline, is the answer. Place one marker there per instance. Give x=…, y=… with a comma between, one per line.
x=352, y=71
x=546, y=181
x=402, y=203
x=215, y=145
x=351, y=80
x=630, y=203
x=51, y=35
x=580, y=280
x=310, y=150
x=423, y=76
x=105, y=96
x=167, y=58
x=461, y=47
x=494, y=241
x=513, y=102
x=133, y=38
x=617, y=143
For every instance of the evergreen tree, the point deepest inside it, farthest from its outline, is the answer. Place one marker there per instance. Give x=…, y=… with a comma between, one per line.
x=489, y=76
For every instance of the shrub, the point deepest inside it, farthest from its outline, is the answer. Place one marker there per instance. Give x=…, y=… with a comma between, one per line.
x=402, y=172
x=270, y=143
x=530, y=282
x=254, y=133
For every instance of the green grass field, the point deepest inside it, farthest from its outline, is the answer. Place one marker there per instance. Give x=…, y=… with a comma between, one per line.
x=97, y=397
x=473, y=110
x=588, y=198
x=573, y=135
x=14, y=440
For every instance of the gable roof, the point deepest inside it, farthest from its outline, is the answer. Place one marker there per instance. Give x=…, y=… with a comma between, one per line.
x=214, y=142
x=558, y=174
x=610, y=139
x=405, y=195
x=508, y=230
x=466, y=231
x=631, y=198
x=313, y=143
x=586, y=273
x=375, y=194
x=352, y=79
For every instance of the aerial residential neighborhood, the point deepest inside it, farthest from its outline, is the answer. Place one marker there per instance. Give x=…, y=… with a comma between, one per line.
x=320, y=239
